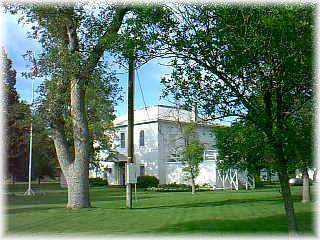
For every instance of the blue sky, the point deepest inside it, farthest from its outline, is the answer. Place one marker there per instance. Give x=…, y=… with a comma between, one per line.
x=16, y=44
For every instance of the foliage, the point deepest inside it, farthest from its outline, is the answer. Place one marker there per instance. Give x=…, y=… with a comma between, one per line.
x=98, y=182
x=44, y=160
x=259, y=183
x=147, y=181
x=19, y=120
x=96, y=28
x=173, y=187
x=242, y=146
x=300, y=139
x=17, y=117
x=193, y=156
x=225, y=61
x=253, y=63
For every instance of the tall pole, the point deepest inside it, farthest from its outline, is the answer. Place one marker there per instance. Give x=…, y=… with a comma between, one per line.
x=130, y=126
x=30, y=191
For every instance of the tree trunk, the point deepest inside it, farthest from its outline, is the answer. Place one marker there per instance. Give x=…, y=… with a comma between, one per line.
x=287, y=198
x=78, y=181
x=306, y=186
x=269, y=175
x=193, y=186
x=63, y=181
x=75, y=171
x=78, y=188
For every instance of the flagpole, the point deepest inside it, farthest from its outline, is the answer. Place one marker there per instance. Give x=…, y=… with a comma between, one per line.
x=30, y=192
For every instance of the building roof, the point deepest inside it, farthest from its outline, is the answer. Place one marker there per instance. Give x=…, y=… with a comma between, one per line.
x=159, y=113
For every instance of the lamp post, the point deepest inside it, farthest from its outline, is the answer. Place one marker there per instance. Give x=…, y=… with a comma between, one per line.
x=29, y=191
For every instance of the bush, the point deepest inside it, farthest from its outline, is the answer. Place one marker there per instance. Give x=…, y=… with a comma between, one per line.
x=259, y=183
x=98, y=182
x=174, y=187
x=147, y=181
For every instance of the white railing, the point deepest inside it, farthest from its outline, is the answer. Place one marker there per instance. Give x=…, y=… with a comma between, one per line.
x=210, y=154
x=233, y=179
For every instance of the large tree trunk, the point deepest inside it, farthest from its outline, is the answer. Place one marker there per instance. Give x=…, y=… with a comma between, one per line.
x=78, y=188
x=78, y=182
x=75, y=171
x=287, y=198
x=306, y=186
x=63, y=181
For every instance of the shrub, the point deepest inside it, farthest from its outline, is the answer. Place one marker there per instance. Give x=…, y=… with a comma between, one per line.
x=259, y=183
x=98, y=182
x=147, y=181
x=174, y=187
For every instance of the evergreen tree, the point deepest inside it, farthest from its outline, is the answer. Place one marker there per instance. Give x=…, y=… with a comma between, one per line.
x=17, y=122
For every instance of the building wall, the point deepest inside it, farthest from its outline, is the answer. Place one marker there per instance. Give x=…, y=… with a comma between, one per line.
x=163, y=137
x=147, y=155
x=171, y=142
x=207, y=173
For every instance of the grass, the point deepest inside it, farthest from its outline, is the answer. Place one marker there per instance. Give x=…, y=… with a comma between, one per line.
x=258, y=211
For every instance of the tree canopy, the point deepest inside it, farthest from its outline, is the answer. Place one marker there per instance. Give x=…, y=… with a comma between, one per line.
x=248, y=62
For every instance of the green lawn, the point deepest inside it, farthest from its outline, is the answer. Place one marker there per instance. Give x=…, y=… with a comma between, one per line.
x=259, y=211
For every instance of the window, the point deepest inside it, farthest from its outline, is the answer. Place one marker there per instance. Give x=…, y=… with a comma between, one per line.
x=175, y=157
x=141, y=143
x=142, y=170
x=123, y=140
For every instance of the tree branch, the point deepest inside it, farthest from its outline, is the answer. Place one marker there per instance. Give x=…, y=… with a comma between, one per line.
x=104, y=40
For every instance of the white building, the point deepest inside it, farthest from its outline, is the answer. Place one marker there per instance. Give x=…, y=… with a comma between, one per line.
x=157, y=147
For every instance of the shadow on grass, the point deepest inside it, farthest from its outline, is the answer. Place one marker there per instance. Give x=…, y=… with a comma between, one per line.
x=215, y=204
x=58, y=198
x=25, y=204
x=33, y=209
x=267, y=225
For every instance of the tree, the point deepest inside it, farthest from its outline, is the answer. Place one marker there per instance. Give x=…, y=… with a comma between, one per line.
x=241, y=146
x=192, y=157
x=74, y=38
x=300, y=147
x=17, y=122
x=64, y=31
x=102, y=95
x=234, y=62
x=44, y=162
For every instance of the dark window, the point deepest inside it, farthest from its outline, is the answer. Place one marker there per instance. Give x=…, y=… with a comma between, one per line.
x=142, y=170
x=123, y=140
x=141, y=138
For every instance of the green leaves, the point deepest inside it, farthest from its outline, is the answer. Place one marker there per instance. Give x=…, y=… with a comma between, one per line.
x=242, y=146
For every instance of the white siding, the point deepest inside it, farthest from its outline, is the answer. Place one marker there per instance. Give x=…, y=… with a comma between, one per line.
x=147, y=155
x=207, y=173
x=170, y=140
x=162, y=133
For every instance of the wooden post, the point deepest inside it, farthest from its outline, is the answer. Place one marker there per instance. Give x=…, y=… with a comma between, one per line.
x=130, y=126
